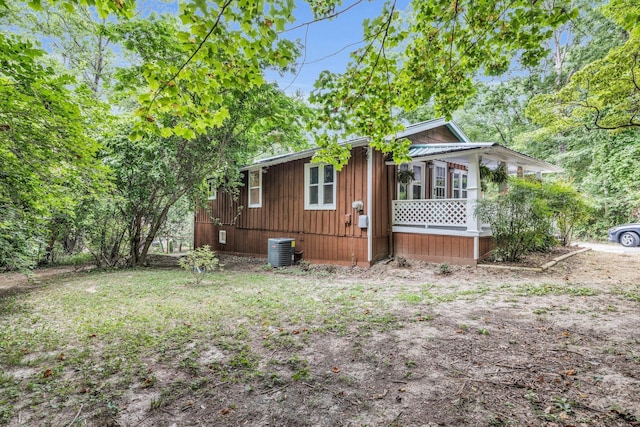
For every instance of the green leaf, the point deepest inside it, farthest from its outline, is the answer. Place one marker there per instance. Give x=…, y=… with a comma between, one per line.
x=166, y=132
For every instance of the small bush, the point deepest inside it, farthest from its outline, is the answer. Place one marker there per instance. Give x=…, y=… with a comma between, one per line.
x=200, y=261
x=568, y=209
x=444, y=269
x=402, y=262
x=520, y=220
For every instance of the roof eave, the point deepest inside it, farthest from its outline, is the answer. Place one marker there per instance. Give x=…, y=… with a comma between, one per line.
x=285, y=158
x=496, y=152
x=432, y=124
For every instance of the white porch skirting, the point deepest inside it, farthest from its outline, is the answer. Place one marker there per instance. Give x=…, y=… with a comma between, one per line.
x=430, y=212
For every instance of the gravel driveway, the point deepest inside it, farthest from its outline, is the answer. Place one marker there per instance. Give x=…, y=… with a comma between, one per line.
x=608, y=247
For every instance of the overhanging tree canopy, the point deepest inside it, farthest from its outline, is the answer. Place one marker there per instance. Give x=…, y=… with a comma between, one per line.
x=435, y=55
x=605, y=94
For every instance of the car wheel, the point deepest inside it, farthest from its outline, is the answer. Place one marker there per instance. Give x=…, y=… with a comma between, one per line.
x=629, y=239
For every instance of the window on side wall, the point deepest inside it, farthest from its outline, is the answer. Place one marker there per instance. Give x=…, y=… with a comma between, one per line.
x=255, y=188
x=213, y=190
x=319, y=186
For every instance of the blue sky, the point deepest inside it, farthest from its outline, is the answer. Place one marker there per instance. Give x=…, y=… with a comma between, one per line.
x=325, y=40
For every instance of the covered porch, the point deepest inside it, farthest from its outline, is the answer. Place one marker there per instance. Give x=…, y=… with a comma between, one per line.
x=436, y=195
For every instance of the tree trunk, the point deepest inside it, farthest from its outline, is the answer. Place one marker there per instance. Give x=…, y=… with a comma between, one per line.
x=153, y=231
x=135, y=234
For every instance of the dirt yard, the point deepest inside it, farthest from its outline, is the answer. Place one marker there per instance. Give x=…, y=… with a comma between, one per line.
x=473, y=347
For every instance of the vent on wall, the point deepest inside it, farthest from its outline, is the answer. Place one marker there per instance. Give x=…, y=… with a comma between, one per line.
x=222, y=237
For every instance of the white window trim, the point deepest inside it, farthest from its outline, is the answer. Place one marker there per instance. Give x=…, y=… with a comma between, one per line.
x=422, y=182
x=307, y=179
x=453, y=189
x=213, y=191
x=444, y=165
x=259, y=204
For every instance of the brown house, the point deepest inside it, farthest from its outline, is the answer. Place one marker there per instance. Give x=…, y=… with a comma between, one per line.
x=372, y=208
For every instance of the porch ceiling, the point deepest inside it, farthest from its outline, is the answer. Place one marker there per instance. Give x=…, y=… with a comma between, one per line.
x=491, y=153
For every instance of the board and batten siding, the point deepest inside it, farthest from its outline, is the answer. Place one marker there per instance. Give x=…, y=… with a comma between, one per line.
x=323, y=235
x=434, y=136
x=441, y=248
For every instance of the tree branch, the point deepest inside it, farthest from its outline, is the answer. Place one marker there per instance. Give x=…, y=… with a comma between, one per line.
x=195, y=52
x=324, y=18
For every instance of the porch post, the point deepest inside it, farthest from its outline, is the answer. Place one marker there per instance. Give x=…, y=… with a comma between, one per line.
x=503, y=186
x=473, y=193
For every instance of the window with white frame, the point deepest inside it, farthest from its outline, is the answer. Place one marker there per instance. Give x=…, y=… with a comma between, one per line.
x=413, y=189
x=255, y=188
x=459, y=185
x=319, y=186
x=213, y=190
x=439, y=181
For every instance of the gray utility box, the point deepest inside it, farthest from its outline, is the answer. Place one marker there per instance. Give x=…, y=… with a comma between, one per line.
x=280, y=251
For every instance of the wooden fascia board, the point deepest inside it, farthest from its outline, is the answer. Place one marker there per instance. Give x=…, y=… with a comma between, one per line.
x=458, y=132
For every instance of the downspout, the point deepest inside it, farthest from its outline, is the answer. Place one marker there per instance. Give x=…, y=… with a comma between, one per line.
x=370, y=204
x=391, y=186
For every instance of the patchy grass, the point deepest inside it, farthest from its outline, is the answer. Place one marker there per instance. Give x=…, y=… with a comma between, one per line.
x=90, y=338
x=141, y=346
x=553, y=289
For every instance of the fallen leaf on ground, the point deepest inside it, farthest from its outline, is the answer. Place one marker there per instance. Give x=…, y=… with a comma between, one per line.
x=381, y=395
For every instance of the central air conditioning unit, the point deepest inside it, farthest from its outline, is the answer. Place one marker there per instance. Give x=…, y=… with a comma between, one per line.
x=280, y=251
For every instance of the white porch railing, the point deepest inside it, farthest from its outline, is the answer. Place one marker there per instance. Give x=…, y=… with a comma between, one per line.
x=430, y=212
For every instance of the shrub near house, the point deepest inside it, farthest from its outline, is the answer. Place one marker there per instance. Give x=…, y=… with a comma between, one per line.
x=530, y=214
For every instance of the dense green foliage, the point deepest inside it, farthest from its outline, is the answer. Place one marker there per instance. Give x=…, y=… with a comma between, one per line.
x=442, y=49
x=605, y=93
x=532, y=216
x=520, y=220
x=567, y=207
x=146, y=173
x=600, y=163
x=46, y=156
x=188, y=100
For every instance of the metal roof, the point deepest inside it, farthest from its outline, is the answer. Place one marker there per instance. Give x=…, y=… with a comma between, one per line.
x=456, y=152
x=421, y=150
x=408, y=131
x=288, y=157
x=491, y=153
